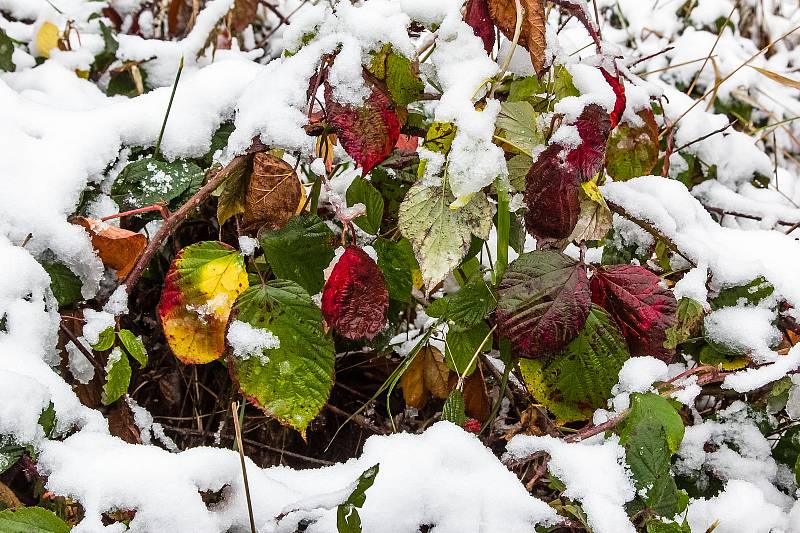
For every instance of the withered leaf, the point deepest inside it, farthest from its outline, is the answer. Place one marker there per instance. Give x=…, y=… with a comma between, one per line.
x=273, y=193
x=118, y=248
x=242, y=14
x=427, y=375
x=532, y=34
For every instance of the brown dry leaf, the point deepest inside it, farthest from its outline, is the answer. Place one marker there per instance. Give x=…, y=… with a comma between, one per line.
x=323, y=149
x=118, y=248
x=476, y=401
x=242, y=14
x=273, y=193
x=413, y=383
x=427, y=375
x=122, y=425
x=532, y=35
x=778, y=78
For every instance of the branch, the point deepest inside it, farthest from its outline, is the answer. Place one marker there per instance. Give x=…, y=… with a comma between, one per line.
x=175, y=219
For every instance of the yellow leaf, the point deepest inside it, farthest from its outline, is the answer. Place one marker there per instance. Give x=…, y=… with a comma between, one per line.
x=47, y=39
x=593, y=192
x=778, y=78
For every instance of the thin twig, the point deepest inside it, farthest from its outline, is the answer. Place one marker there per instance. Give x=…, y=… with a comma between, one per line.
x=169, y=108
x=85, y=351
x=710, y=52
x=238, y=432
x=706, y=136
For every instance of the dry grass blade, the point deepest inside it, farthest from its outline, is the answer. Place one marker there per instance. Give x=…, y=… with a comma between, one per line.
x=238, y=429
x=778, y=78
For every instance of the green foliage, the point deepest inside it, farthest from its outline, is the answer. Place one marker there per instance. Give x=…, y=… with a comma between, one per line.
x=468, y=306
x=649, y=406
x=47, y=419
x=347, y=518
x=578, y=380
x=31, y=520
x=10, y=453
x=105, y=341
x=362, y=191
x=518, y=126
x=118, y=377
x=291, y=382
x=750, y=294
x=66, y=286
x=518, y=167
x=453, y=408
x=150, y=180
x=396, y=262
x=300, y=251
x=134, y=346
x=6, y=51
x=109, y=53
x=689, y=318
x=461, y=347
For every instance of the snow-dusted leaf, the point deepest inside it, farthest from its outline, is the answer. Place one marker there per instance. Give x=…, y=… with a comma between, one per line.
x=149, y=181
x=439, y=137
x=750, y=293
x=362, y=191
x=300, y=251
x=551, y=194
x=400, y=74
x=291, y=382
x=633, y=151
x=355, y=300
x=347, y=518
x=642, y=308
x=368, y=133
x=440, y=235
x=517, y=122
x=595, y=218
x=543, y=302
x=118, y=377
x=118, y=248
x=200, y=287
x=66, y=286
x=31, y=520
x=594, y=127
x=477, y=15
x=578, y=379
x=134, y=346
x=273, y=193
x=532, y=36
x=688, y=319
x=6, y=51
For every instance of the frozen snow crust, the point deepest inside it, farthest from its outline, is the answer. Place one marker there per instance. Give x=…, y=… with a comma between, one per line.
x=59, y=132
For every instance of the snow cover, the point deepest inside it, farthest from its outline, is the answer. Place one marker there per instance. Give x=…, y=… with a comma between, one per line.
x=248, y=341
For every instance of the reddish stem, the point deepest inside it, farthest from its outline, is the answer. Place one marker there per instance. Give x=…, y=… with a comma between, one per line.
x=155, y=207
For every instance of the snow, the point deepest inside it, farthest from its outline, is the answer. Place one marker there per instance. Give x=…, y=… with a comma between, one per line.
x=248, y=341
x=740, y=508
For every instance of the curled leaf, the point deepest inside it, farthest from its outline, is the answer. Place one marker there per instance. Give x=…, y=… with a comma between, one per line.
x=619, y=90
x=200, y=287
x=273, y=193
x=532, y=34
x=643, y=309
x=118, y=248
x=427, y=375
x=551, y=194
x=594, y=127
x=355, y=300
x=478, y=17
x=543, y=302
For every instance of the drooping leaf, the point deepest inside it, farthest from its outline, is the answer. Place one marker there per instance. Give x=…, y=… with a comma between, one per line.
x=397, y=263
x=109, y=53
x=543, y=302
x=368, y=133
x=6, y=51
x=642, y=308
x=47, y=419
x=362, y=191
x=293, y=381
x=467, y=307
x=517, y=122
x=518, y=168
x=594, y=219
x=477, y=15
x=47, y=38
x=618, y=87
x=355, y=300
x=273, y=193
x=400, y=74
x=149, y=181
x=454, y=409
x=347, y=517
x=461, y=347
x=200, y=287
x=440, y=235
x=532, y=36
x=118, y=377
x=633, y=151
x=300, y=251
x=551, y=194
x=105, y=340
x=578, y=380
x=651, y=406
x=66, y=286
x=427, y=375
x=594, y=127
x=118, y=248
x=688, y=319
x=750, y=294
x=232, y=199
x=31, y=520
x=134, y=346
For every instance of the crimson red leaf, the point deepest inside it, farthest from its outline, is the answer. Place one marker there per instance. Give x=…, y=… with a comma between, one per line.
x=543, y=302
x=594, y=127
x=551, y=194
x=619, y=89
x=478, y=17
x=367, y=133
x=355, y=300
x=642, y=308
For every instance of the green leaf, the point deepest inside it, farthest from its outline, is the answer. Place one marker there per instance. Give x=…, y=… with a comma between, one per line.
x=148, y=181
x=347, y=517
x=439, y=234
x=400, y=74
x=648, y=456
x=218, y=142
x=294, y=383
x=633, y=151
x=109, y=53
x=31, y=520
x=362, y=191
x=467, y=307
x=105, y=341
x=689, y=318
x=453, y=409
x=750, y=294
x=578, y=380
x=517, y=125
x=562, y=83
x=439, y=137
x=650, y=406
x=10, y=453
x=123, y=83
x=234, y=192
x=524, y=89
x=397, y=263
x=134, y=346
x=6, y=51
x=518, y=167
x=787, y=450
x=461, y=346
x=300, y=251
x=47, y=419
x=66, y=286
x=118, y=377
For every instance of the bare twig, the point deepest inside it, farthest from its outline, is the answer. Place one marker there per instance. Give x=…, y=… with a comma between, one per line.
x=238, y=432
x=711, y=52
x=85, y=351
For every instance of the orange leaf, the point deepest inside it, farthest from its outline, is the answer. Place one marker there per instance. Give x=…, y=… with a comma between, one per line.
x=532, y=34
x=118, y=248
x=273, y=193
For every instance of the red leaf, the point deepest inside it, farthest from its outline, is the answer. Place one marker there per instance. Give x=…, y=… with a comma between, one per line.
x=367, y=133
x=478, y=17
x=355, y=299
x=551, y=194
x=641, y=307
x=594, y=128
x=543, y=302
x=619, y=89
